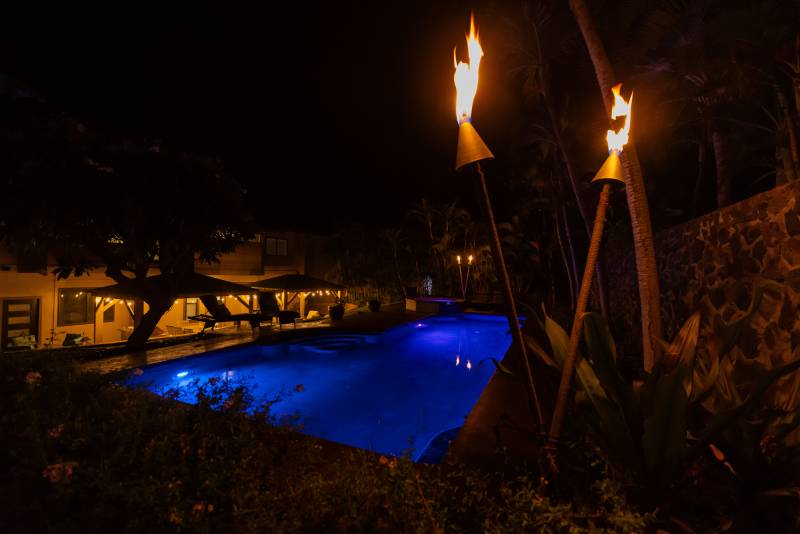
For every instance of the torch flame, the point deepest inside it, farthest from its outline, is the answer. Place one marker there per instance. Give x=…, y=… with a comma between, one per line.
x=466, y=76
x=616, y=140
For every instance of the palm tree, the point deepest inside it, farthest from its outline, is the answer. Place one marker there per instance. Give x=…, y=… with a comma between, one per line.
x=647, y=271
x=721, y=69
x=394, y=238
x=535, y=47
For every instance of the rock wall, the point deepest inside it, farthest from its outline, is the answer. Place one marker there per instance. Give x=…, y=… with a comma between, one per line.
x=713, y=264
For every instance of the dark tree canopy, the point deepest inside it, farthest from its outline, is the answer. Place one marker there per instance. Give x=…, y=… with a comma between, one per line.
x=96, y=201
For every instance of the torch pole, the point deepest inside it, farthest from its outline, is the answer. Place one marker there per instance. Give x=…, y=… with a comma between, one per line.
x=466, y=280
x=577, y=325
x=511, y=308
x=460, y=279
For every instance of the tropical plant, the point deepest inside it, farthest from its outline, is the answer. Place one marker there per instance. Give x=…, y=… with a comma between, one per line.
x=690, y=408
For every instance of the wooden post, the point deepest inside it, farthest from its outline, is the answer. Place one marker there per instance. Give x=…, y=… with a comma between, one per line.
x=511, y=307
x=97, y=304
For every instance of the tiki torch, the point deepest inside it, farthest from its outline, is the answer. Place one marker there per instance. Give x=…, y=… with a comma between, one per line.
x=608, y=175
x=464, y=281
x=471, y=151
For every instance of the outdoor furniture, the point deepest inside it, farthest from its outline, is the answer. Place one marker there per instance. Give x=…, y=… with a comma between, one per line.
x=184, y=285
x=287, y=317
x=178, y=330
x=73, y=340
x=313, y=317
x=219, y=313
x=22, y=342
x=297, y=286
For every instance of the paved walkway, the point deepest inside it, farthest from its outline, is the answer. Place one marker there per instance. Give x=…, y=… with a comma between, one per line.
x=230, y=337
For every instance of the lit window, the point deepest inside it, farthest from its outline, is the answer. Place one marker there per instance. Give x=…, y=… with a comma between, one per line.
x=75, y=306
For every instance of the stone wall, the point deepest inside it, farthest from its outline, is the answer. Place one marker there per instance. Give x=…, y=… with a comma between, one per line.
x=712, y=264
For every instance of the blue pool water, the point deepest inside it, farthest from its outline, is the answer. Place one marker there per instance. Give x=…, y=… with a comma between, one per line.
x=391, y=393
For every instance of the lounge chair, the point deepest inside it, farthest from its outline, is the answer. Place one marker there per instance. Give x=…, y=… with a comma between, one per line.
x=219, y=313
x=287, y=317
x=269, y=304
x=73, y=340
x=312, y=317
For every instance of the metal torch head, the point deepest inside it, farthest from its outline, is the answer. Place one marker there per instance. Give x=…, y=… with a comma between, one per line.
x=471, y=147
x=611, y=171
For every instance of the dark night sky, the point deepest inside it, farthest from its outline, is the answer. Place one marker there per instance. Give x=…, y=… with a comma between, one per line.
x=348, y=110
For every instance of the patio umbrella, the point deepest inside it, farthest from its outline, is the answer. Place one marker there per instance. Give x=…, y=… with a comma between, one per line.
x=181, y=285
x=299, y=284
x=295, y=283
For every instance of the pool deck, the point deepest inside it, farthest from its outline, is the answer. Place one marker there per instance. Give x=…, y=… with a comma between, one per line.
x=234, y=336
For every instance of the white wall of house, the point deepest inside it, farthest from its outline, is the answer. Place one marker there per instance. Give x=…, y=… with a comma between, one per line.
x=249, y=263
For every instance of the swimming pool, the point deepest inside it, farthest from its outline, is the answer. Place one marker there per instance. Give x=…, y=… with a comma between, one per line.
x=391, y=392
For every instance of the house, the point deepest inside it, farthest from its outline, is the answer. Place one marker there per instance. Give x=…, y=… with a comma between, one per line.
x=33, y=302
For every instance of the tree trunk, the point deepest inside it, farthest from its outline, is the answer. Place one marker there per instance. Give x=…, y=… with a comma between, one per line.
x=138, y=311
x=141, y=333
x=721, y=160
x=646, y=268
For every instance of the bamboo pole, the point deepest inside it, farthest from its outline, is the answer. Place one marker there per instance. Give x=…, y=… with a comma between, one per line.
x=511, y=308
x=577, y=326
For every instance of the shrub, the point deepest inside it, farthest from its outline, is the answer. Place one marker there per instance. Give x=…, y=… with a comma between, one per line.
x=81, y=453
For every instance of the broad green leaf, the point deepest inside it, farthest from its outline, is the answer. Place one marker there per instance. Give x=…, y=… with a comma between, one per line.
x=598, y=337
x=664, y=439
x=704, y=376
x=559, y=341
x=534, y=347
x=616, y=432
x=684, y=347
x=725, y=393
x=725, y=418
x=603, y=353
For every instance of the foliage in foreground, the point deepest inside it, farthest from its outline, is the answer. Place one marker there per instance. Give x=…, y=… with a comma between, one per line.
x=80, y=453
x=697, y=437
